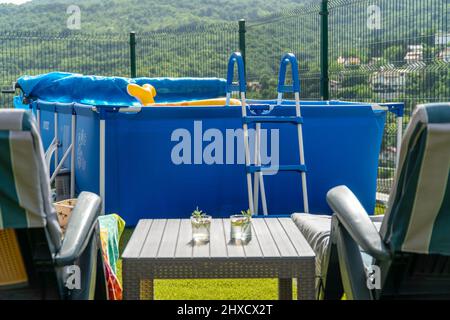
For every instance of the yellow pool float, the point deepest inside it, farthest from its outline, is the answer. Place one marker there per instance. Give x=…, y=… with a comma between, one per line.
x=146, y=95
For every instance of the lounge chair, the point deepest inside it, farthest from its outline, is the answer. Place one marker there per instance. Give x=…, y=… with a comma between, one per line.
x=406, y=253
x=36, y=260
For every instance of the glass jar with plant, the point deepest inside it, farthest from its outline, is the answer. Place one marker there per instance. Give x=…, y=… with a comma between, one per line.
x=241, y=226
x=201, y=225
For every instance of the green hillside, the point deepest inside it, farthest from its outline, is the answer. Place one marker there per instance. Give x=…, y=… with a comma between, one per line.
x=138, y=15
x=201, y=52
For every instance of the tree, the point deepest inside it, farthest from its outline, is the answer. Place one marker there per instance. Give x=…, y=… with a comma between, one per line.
x=395, y=54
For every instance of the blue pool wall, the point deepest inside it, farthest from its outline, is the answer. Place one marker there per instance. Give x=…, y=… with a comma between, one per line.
x=342, y=144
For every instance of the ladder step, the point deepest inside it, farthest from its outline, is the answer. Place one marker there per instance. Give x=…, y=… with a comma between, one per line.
x=233, y=88
x=272, y=119
x=286, y=89
x=259, y=107
x=286, y=168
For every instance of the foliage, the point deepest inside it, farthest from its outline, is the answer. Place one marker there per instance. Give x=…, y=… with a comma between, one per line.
x=246, y=213
x=198, y=213
x=122, y=16
x=178, y=38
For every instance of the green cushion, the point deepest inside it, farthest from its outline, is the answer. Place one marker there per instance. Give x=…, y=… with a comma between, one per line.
x=21, y=188
x=418, y=217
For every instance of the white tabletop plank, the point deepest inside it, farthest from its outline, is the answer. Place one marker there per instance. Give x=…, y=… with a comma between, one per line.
x=234, y=249
x=268, y=245
x=134, y=245
x=201, y=250
x=184, y=244
x=169, y=239
x=271, y=238
x=297, y=238
x=252, y=248
x=218, y=247
x=280, y=237
x=151, y=244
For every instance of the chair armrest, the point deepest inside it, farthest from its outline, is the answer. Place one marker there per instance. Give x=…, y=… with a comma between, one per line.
x=352, y=215
x=79, y=230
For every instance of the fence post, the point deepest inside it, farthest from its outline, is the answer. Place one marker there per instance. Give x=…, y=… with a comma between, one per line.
x=133, y=54
x=242, y=41
x=324, y=79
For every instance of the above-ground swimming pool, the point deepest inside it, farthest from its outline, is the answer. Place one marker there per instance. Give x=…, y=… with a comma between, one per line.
x=163, y=162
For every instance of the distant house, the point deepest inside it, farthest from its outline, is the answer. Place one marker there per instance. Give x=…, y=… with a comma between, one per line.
x=442, y=39
x=335, y=85
x=375, y=60
x=388, y=80
x=444, y=55
x=349, y=61
x=254, y=86
x=414, y=54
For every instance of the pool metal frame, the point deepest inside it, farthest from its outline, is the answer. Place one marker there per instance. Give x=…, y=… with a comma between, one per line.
x=396, y=108
x=66, y=108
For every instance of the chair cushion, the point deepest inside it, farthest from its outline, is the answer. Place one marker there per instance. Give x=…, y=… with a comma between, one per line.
x=25, y=197
x=316, y=230
x=21, y=203
x=418, y=215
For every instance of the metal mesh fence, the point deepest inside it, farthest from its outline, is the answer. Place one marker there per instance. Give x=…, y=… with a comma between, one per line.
x=378, y=51
x=182, y=52
x=296, y=31
x=37, y=53
x=397, y=51
x=200, y=51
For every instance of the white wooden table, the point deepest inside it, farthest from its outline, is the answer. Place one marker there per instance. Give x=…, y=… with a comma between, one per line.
x=163, y=249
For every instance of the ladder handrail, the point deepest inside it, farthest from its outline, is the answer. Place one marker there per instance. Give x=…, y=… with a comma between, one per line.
x=236, y=58
x=288, y=58
x=257, y=169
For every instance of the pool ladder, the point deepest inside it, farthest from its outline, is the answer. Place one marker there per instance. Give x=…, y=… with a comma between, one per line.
x=257, y=169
